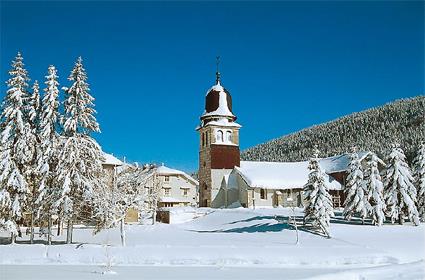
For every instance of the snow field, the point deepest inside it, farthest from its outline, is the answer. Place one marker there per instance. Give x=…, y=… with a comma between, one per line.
x=231, y=237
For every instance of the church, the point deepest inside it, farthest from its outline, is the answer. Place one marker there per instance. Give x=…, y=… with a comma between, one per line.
x=225, y=181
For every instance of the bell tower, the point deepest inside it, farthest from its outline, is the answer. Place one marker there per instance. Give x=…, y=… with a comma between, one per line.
x=218, y=143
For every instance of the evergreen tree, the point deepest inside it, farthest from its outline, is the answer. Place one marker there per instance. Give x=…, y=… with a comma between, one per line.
x=375, y=190
x=419, y=175
x=318, y=208
x=79, y=106
x=370, y=130
x=14, y=150
x=80, y=157
x=356, y=200
x=49, y=122
x=33, y=111
x=399, y=191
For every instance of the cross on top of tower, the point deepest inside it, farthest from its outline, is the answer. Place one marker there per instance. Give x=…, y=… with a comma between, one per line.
x=217, y=73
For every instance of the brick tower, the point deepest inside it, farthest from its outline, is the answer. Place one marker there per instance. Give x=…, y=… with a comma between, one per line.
x=219, y=143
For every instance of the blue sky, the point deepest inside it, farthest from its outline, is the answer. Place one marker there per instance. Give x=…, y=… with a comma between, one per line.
x=288, y=65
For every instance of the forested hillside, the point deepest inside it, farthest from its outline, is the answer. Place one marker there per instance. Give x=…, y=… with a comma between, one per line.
x=374, y=129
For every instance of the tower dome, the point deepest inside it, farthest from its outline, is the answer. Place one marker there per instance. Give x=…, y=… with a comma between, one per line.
x=218, y=103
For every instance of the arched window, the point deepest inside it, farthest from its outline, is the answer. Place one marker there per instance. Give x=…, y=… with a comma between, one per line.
x=203, y=139
x=229, y=136
x=206, y=140
x=220, y=136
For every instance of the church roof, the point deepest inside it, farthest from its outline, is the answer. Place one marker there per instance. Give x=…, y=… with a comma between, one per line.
x=340, y=163
x=279, y=175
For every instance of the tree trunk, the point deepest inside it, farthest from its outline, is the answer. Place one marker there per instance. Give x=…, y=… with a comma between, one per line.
x=49, y=230
x=32, y=229
x=400, y=219
x=59, y=227
x=69, y=232
x=154, y=216
x=122, y=230
x=12, y=238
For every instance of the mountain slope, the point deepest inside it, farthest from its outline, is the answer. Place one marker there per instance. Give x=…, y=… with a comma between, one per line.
x=401, y=121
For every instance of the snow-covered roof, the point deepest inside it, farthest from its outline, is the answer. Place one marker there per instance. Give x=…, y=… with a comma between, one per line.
x=111, y=160
x=223, y=122
x=279, y=175
x=340, y=163
x=164, y=170
x=223, y=107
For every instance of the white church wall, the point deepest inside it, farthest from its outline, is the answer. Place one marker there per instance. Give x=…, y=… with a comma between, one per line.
x=217, y=175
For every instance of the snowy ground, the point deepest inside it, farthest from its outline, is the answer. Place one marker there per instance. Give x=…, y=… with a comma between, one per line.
x=222, y=244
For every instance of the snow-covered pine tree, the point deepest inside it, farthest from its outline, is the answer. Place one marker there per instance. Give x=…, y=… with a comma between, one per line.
x=375, y=188
x=399, y=191
x=33, y=110
x=80, y=157
x=419, y=175
x=14, y=151
x=318, y=208
x=48, y=159
x=356, y=199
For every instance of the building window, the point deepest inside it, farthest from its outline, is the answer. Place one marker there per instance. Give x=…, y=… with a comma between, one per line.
x=229, y=136
x=167, y=178
x=219, y=136
x=206, y=140
x=263, y=194
x=167, y=192
x=185, y=192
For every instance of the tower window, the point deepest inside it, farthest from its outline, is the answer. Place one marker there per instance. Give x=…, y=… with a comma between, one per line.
x=219, y=136
x=229, y=136
x=206, y=140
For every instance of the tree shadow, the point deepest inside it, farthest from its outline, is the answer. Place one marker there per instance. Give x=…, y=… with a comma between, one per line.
x=257, y=218
x=6, y=241
x=266, y=227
